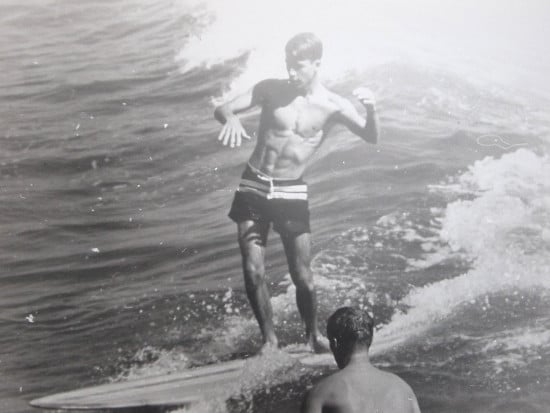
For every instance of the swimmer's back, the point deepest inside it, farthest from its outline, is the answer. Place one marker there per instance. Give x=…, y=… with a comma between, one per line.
x=361, y=391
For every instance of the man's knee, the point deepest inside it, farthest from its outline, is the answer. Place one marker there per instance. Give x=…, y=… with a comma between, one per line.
x=254, y=273
x=303, y=278
x=300, y=265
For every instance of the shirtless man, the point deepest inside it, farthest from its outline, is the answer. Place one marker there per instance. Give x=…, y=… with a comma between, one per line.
x=358, y=387
x=296, y=116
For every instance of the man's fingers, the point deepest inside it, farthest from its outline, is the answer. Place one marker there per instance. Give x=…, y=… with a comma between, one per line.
x=364, y=95
x=222, y=132
x=232, y=137
x=226, y=137
x=232, y=141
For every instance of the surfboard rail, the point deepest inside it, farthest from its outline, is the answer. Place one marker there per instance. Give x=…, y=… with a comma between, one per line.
x=175, y=389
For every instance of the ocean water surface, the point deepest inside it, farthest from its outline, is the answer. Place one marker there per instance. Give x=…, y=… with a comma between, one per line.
x=117, y=259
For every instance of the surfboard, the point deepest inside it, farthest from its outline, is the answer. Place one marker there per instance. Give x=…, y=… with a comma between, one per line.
x=176, y=389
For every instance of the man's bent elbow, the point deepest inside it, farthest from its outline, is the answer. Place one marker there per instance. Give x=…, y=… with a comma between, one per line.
x=371, y=137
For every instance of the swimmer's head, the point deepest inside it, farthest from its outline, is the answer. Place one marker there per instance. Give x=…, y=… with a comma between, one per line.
x=349, y=329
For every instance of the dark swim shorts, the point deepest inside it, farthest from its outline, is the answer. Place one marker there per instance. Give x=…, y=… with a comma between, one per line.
x=266, y=200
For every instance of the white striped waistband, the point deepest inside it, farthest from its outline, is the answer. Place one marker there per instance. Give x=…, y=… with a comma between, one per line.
x=270, y=189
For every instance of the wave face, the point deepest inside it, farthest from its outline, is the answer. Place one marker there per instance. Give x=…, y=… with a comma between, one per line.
x=477, y=41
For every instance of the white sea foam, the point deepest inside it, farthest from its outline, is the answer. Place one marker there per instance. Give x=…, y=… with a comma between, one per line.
x=519, y=346
x=502, y=229
x=151, y=361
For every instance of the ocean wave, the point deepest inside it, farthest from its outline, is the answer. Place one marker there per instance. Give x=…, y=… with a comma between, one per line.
x=502, y=229
x=359, y=35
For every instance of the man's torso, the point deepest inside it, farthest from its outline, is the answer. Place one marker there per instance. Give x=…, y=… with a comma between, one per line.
x=292, y=127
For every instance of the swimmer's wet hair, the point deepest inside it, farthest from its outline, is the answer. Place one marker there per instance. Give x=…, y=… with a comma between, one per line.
x=349, y=326
x=304, y=46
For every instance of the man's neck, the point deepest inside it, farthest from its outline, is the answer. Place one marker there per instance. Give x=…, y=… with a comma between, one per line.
x=311, y=89
x=360, y=357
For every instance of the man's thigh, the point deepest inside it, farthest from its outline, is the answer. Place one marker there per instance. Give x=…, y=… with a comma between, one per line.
x=298, y=251
x=252, y=238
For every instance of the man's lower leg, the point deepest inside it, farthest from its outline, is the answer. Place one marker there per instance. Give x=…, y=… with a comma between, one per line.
x=258, y=296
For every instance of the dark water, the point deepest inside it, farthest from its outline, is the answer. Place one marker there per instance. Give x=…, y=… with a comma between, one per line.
x=117, y=259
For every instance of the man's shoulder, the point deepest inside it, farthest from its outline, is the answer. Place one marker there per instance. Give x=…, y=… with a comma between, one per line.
x=399, y=395
x=331, y=386
x=270, y=83
x=390, y=379
x=339, y=101
x=267, y=88
x=330, y=390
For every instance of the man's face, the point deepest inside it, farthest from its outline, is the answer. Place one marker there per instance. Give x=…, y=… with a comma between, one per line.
x=302, y=72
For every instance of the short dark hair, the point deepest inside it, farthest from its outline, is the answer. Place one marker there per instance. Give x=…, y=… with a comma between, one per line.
x=350, y=326
x=304, y=46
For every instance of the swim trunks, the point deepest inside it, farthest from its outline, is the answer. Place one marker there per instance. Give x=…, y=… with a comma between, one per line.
x=266, y=200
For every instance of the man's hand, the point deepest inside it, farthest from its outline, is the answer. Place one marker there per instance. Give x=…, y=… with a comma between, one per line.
x=232, y=132
x=365, y=96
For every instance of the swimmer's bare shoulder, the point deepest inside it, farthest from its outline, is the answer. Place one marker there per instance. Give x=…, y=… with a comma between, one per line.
x=400, y=397
x=329, y=395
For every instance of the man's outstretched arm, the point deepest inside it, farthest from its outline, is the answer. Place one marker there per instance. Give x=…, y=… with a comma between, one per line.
x=233, y=131
x=367, y=128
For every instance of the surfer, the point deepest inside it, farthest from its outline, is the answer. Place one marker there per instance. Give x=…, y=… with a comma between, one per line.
x=296, y=116
x=358, y=386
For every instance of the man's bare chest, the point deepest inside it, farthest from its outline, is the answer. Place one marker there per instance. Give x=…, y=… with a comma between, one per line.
x=301, y=116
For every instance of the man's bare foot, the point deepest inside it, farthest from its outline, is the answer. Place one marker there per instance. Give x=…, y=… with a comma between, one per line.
x=319, y=344
x=268, y=347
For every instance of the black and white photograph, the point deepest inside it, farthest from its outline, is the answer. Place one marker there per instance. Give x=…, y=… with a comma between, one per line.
x=292, y=206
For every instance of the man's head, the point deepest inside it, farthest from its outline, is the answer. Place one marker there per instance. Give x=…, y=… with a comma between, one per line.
x=303, y=58
x=349, y=330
